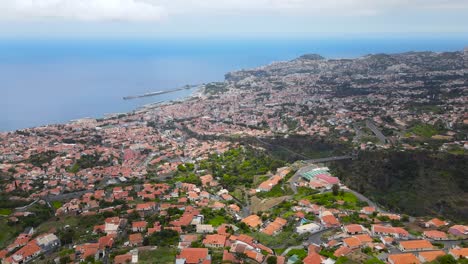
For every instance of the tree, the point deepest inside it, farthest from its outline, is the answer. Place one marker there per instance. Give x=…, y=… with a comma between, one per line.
x=272, y=260
x=335, y=189
x=164, y=238
x=65, y=260
x=447, y=259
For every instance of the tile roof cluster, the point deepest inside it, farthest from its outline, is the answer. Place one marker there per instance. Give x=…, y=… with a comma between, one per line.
x=274, y=226
x=252, y=221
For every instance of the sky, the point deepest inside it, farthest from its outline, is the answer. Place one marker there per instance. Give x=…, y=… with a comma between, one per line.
x=204, y=18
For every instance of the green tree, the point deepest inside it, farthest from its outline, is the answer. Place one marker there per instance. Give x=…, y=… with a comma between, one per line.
x=164, y=238
x=447, y=259
x=272, y=260
x=335, y=189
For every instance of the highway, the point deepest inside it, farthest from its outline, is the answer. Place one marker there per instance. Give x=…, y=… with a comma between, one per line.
x=376, y=131
x=321, y=160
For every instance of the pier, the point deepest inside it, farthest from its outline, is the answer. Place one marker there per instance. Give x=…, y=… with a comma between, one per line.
x=186, y=87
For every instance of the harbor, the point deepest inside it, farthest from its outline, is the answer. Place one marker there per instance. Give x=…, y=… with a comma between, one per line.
x=185, y=87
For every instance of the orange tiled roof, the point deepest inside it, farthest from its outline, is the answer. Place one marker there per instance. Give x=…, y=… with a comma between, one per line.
x=406, y=258
x=354, y=228
x=313, y=258
x=214, y=240
x=342, y=251
x=193, y=255
x=435, y=234
x=431, y=255
x=252, y=220
x=437, y=222
x=459, y=252
x=416, y=244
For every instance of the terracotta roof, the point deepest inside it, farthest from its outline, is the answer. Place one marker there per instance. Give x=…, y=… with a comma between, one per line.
x=330, y=220
x=436, y=222
x=274, y=226
x=406, y=258
x=389, y=230
x=435, y=234
x=354, y=228
x=139, y=224
x=106, y=241
x=135, y=238
x=252, y=220
x=342, y=251
x=122, y=259
x=431, y=255
x=30, y=249
x=352, y=242
x=459, y=252
x=313, y=258
x=193, y=255
x=214, y=240
x=227, y=256
x=416, y=244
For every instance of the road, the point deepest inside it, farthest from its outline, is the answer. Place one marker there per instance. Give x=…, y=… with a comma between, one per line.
x=329, y=159
x=24, y=208
x=289, y=248
x=66, y=196
x=316, y=238
x=376, y=131
x=363, y=198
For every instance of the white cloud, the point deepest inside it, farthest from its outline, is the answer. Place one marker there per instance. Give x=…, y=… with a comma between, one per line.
x=313, y=7
x=154, y=10
x=86, y=10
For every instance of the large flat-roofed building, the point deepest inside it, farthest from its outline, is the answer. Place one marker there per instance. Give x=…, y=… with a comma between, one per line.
x=311, y=174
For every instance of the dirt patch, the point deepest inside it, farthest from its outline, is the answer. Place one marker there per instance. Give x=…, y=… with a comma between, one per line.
x=263, y=205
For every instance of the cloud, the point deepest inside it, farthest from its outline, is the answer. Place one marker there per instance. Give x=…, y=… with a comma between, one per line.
x=155, y=10
x=81, y=10
x=312, y=7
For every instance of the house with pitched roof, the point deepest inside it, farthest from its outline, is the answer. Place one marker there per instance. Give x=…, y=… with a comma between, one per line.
x=216, y=241
x=252, y=221
x=428, y=256
x=459, y=253
x=194, y=256
x=415, y=245
x=405, y=258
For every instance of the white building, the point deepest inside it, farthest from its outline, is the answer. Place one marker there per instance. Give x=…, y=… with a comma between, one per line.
x=308, y=228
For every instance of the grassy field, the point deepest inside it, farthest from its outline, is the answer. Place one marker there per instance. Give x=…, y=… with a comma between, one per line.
x=282, y=240
x=424, y=130
x=217, y=221
x=157, y=256
x=56, y=204
x=78, y=225
x=258, y=205
x=7, y=233
x=5, y=211
x=330, y=200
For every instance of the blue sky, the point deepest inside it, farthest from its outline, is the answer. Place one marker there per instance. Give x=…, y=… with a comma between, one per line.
x=251, y=18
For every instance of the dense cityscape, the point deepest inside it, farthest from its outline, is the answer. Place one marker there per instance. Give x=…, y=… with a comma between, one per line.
x=194, y=181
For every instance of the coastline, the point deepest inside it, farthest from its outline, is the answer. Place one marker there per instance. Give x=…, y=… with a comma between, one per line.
x=195, y=93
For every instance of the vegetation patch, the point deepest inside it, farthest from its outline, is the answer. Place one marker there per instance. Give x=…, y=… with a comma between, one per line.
x=163, y=255
x=5, y=211
x=56, y=204
x=425, y=130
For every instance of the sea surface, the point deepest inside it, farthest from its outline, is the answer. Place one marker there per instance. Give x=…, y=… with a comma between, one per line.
x=55, y=81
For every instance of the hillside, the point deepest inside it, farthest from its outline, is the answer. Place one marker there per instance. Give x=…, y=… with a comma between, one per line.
x=416, y=183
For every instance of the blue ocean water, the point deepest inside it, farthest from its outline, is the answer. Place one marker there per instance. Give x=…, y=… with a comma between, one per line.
x=54, y=81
